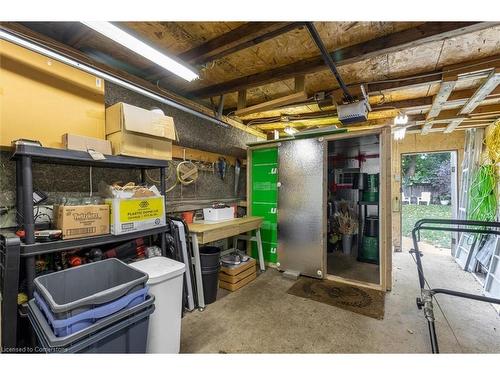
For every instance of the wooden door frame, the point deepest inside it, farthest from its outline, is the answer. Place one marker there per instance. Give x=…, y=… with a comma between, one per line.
x=385, y=241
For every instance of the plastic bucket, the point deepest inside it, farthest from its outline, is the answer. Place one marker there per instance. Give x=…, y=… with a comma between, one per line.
x=210, y=266
x=188, y=216
x=209, y=256
x=369, y=249
x=371, y=226
x=210, y=284
x=372, y=183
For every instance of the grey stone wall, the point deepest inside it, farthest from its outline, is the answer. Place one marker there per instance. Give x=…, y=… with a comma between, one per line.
x=58, y=181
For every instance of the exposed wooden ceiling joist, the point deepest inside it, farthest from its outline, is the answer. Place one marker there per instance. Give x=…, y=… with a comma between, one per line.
x=409, y=38
x=288, y=99
x=242, y=37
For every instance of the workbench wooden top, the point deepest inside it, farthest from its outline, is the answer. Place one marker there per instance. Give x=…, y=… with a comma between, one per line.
x=208, y=232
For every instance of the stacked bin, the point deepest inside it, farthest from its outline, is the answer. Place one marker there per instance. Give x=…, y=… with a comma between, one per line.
x=81, y=309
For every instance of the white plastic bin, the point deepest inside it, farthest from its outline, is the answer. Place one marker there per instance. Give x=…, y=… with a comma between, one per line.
x=165, y=282
x=218, y=214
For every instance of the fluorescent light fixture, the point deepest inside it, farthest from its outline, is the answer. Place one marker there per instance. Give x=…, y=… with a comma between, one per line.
x=399, y=133
x=401, y=119
x=132, y=43
x=290, y=130
x=23, y=42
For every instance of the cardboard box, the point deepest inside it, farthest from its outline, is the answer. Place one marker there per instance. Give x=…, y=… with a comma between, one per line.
x=82, y=143
x=135, y=131
x=42, y=99
x=135, y=214
x=82, y=221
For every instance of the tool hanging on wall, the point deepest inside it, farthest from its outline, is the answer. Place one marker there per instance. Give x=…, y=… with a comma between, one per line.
x=237, y=170
x=221, y=167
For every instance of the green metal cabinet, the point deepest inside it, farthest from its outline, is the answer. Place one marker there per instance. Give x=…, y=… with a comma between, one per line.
x=264, y=198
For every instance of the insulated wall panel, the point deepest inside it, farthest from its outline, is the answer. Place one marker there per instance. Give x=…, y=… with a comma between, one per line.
x=301, y=202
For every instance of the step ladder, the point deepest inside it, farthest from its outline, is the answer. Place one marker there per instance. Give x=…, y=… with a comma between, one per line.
x=470, y=164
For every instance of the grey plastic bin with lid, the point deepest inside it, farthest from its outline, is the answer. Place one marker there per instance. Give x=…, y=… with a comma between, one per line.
x=165, y=283
x=82, y=288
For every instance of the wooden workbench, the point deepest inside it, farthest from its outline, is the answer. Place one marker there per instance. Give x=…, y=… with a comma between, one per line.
x=203, y=233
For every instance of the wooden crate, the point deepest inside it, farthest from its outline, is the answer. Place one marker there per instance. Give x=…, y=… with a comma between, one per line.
x=237, y=270
x=232, y=287
x=233, y=278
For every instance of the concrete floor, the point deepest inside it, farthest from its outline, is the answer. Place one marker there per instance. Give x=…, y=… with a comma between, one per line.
x=348, y=267
x=263, y=318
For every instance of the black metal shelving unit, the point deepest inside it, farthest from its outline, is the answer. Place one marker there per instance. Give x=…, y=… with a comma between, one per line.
x=13, y=250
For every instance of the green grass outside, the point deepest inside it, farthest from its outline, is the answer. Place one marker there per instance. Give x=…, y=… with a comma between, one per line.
x=413, y=213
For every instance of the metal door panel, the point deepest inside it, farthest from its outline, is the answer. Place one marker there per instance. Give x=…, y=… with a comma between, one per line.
x=301, y=206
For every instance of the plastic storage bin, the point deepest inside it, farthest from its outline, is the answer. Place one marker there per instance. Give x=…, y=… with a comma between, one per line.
x=123, y=332
x=75, y=323
x=76, y=290
x=218, y=214
x=165, y=282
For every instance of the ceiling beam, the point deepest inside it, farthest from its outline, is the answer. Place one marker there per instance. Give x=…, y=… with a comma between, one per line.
x=74, y=54
x=413, y=37
x=284, y=100
x=400, y=104
x=244, y=36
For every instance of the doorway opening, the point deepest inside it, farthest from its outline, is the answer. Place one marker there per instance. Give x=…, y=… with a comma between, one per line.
x=428, y=190
x=353, y=230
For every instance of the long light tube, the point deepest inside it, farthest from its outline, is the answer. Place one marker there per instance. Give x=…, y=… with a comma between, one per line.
x=132, y=43
x=107, y=77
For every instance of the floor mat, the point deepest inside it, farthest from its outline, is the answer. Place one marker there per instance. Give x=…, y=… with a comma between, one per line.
x=360, y=300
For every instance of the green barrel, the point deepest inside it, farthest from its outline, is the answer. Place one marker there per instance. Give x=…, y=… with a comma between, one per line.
x=369, y=249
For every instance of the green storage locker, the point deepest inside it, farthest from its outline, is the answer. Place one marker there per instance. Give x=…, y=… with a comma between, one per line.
x=264, y=193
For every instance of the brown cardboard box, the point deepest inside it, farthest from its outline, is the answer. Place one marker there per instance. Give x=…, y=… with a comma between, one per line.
x=41, y=99
x=82, y=143
x=135, y=131
x=82, y=221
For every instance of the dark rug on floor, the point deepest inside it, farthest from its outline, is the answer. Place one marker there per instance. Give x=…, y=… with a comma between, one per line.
x=360, y=300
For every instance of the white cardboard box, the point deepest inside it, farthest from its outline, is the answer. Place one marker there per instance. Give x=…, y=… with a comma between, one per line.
x=218, y=214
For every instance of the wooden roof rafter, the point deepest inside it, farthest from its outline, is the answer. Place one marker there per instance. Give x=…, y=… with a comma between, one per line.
x=409, y=38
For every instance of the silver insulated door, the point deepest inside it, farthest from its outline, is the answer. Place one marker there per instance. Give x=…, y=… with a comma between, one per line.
x=301, y=206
